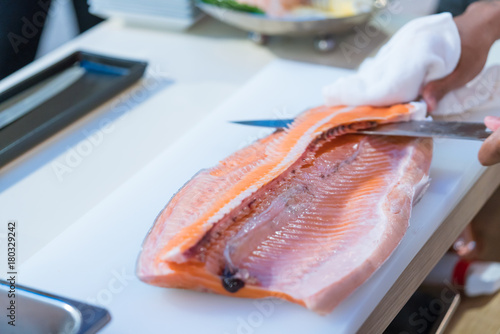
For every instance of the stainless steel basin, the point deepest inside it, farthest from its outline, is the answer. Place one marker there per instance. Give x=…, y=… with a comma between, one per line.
x=296, y=26
x=39, y=312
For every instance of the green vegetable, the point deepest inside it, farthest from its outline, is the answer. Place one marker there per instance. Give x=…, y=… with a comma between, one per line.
x=234, y=5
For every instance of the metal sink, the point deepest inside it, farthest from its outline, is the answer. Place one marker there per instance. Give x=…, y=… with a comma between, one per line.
x=39, y=312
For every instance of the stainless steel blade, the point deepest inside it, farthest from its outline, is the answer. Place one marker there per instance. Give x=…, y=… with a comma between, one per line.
x=270, y=123
x=456, y=130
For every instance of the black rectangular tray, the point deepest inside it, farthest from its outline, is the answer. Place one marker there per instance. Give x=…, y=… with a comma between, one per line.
x=102, y=78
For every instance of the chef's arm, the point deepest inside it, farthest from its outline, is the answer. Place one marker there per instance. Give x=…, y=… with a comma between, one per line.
x=479, y=28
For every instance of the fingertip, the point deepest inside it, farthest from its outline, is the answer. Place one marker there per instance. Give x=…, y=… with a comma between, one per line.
x=484, y=155
x=482, y=159
x=492, y=122
x=489, y=154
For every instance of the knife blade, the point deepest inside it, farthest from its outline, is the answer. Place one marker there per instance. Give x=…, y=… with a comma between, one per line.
x=455, y=130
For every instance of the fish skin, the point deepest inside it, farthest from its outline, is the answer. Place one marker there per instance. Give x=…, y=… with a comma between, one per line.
x=251, y=247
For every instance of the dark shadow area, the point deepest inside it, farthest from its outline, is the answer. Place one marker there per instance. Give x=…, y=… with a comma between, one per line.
x=21, y=25
x=455, y=7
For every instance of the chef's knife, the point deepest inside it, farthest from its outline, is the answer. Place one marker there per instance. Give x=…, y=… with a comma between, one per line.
x=456, y=130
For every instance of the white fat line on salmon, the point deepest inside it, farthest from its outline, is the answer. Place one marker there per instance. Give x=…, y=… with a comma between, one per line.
x=307, y=136
x=175, y=254
x=289, y=159
x=301, y=145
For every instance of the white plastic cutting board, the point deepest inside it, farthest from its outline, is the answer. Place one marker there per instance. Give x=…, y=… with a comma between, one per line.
x=94, y=259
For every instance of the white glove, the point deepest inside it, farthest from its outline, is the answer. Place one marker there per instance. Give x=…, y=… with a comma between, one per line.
x=424, y=50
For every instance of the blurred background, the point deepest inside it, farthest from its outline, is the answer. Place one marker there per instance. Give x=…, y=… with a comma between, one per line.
x=46, y=23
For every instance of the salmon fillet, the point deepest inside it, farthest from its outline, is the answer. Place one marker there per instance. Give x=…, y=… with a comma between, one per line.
x=306, y=214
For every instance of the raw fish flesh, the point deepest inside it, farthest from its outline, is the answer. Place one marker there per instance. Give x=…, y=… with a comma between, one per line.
x=306, y=214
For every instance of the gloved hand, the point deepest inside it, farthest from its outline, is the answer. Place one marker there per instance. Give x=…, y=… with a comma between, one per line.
x=435, y=58
x=479, y=28
x=425, y=49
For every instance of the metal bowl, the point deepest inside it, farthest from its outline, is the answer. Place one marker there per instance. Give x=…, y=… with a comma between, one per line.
x=290, y=26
